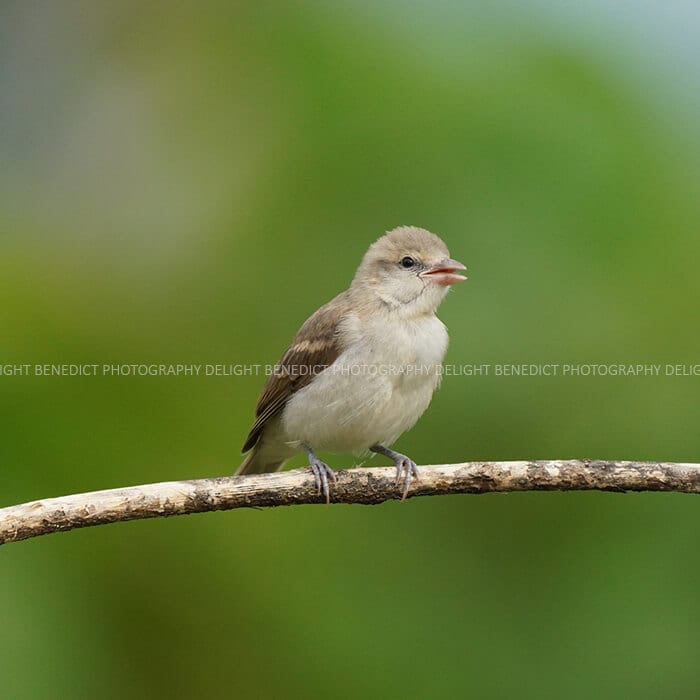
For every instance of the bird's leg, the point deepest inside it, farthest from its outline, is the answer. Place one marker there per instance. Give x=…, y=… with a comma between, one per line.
x=321, y=471
x=405, y=467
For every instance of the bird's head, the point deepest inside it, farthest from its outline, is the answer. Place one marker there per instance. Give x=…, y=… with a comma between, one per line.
x=409, y=269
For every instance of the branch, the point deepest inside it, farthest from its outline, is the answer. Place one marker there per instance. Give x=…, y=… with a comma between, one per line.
x=363, y=486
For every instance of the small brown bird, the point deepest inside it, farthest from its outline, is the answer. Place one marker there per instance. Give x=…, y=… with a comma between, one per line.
x=363, y=368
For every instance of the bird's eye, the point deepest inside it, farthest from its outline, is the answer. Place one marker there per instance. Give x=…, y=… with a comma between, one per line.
x=407, y=263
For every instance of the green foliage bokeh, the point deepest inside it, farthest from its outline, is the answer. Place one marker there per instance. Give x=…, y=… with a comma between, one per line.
x=187, y=184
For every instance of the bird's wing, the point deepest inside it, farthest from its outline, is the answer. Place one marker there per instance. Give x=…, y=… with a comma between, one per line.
x=315, y=347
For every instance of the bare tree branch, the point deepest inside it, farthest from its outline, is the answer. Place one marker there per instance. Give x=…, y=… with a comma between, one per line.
x=362, y=486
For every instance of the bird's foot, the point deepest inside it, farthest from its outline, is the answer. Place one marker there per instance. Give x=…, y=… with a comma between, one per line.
x=406, y=468
x=322, y=473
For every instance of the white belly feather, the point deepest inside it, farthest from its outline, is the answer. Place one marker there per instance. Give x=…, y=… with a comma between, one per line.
x=375, y=391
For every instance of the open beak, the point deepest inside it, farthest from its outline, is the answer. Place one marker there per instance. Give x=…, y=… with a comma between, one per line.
x=444, y=272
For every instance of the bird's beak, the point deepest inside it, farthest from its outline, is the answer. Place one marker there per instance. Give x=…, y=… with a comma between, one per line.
x=444, y=272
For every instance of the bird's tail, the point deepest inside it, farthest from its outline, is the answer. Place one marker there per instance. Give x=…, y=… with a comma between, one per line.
x=256, y=462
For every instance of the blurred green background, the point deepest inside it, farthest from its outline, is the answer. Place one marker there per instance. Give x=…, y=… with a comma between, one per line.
x=187, y=182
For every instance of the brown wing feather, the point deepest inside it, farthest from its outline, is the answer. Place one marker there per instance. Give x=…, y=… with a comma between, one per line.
x=314, y=347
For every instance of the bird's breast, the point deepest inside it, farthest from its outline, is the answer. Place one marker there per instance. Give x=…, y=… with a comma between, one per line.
x=376, y=389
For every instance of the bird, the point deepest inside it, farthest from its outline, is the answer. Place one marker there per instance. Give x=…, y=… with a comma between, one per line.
x=363, y=368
